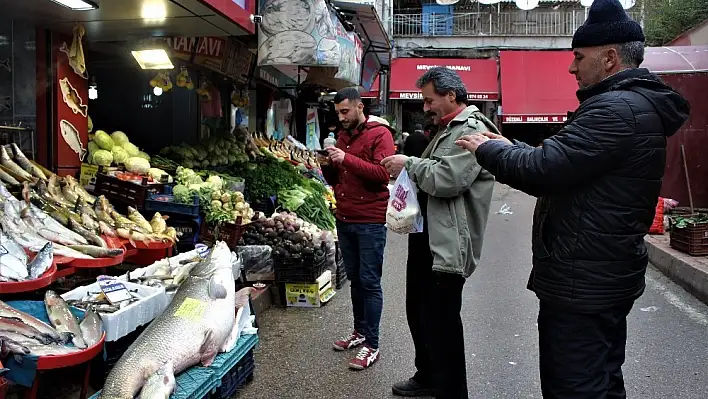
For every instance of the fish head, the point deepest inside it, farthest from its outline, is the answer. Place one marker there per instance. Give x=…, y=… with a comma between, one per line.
x=51, y=298
x=65, y=86
x=219, y=260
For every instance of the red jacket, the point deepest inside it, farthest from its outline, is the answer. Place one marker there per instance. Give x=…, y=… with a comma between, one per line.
x=361, y=182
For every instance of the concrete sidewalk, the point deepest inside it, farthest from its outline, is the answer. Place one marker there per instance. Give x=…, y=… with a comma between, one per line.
x=690, y=272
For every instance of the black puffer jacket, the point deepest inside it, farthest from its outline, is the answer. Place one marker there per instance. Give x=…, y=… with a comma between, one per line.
x=598, y=181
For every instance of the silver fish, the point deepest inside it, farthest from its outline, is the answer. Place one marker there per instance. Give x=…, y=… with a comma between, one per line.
x=19, y=338
x=51, y=350
x=26, y=164
x=51, y=223
x=98, y=252
x=88, y=235
x=91, y=327
x=161, y=384
x=11, y=165
x=11, y=346
x=7, y=178
x=13, y=259
x=42, y=261
x=20, y=322
x=62, y=319
x=72, y=139
x=191, y=330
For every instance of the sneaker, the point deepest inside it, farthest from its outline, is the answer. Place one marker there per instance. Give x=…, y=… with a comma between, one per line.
x=411, y=388
x=365, y=358
x=352, y=341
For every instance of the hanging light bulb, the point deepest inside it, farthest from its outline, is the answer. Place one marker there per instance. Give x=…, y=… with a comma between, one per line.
x=586, y=3
x=93, y=89
x=157, y=91
x=527, y=5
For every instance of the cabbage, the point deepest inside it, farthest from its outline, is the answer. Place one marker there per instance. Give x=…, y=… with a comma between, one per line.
x=215, y=182
x=102, y=158
x=131, y=149
x=119, y=155
x=92, y=148
x=157, y=174
x=103, y=140
x=119, y=138
x=182, y=194
x=142, y=154
x=137, y=165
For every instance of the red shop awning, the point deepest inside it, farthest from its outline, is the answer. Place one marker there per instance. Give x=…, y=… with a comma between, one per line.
x=478, y=75
x=536, y=86
x=374, y=92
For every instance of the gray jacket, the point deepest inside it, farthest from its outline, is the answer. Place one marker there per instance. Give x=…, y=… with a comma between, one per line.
x=460, y=193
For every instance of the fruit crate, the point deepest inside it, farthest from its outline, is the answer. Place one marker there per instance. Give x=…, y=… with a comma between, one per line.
x=304, y=269
x=228, y=232
x=165, y=203
x=125, y=192
x=692, y=239
x=236, y=378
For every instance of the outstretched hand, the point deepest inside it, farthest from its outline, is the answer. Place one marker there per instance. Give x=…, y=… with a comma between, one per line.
x=473, y=141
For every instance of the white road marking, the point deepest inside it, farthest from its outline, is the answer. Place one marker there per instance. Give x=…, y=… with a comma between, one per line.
x=692, y=313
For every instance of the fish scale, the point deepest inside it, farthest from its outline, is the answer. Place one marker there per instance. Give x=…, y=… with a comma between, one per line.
x=177, y=334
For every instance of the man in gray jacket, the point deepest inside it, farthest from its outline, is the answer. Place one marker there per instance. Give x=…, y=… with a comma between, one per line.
x=455, y=195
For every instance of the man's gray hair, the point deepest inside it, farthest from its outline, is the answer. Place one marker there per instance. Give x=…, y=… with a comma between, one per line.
x=444, y=80
x=631, y=53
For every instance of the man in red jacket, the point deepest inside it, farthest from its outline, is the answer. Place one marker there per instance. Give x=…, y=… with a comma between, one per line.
x=361, y=188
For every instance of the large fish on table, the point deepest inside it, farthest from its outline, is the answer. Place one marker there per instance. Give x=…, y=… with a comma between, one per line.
x=193, y=328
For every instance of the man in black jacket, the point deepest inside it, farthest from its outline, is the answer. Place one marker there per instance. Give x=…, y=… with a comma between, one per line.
x=597, y=183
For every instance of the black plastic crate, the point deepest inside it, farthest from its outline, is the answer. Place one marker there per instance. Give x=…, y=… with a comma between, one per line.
x=305, y=269
x=236, y=378
x=265, y=205
x=165, y=203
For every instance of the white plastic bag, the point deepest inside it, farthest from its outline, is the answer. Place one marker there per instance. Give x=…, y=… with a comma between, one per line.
x=403, y=215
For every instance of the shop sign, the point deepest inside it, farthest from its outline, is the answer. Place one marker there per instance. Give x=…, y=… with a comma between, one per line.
x=419, y=96
x=534, y=118
x=226, y=56
x=459, y=68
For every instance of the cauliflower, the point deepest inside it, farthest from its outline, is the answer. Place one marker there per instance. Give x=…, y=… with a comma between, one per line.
x=216, y=204
x=215, y=182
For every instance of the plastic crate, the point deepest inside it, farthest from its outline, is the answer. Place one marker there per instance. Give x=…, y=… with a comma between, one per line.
x=194, y=383
x=228, y=232
x=692, y=239
x=305, y=269
x=125, y=192
x=237, y=377
x=165, y=203
x=265, y=205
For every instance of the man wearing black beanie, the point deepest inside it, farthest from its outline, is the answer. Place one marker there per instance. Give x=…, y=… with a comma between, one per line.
x=597, y=183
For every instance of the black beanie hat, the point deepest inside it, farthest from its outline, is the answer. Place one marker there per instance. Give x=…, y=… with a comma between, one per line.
x=607, y=23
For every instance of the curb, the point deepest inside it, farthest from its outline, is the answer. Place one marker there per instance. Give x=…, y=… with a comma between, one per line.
x=689, y=272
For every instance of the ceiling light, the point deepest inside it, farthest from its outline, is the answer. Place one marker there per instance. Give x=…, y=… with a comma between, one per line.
x=153, y=59
x=77, y=5
x=154, y=10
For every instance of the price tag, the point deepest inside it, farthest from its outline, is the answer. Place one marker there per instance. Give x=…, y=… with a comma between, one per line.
x=202, y=250
x=191, y=309
x=114, y=291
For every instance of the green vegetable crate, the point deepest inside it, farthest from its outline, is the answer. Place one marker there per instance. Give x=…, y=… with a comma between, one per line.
x=691, y=239
x=230, y=233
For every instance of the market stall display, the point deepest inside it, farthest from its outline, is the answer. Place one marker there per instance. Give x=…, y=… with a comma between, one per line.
x=198, y=323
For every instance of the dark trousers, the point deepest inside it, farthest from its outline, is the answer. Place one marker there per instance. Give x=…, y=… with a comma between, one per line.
x=362, y=248
x=433, y=304
x=581, y=354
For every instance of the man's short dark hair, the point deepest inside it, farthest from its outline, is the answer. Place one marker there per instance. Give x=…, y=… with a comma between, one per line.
x=348, y=93
x=631, y=53
x=444, y=80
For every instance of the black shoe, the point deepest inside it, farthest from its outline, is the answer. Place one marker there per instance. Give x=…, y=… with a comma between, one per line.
x=411, y=388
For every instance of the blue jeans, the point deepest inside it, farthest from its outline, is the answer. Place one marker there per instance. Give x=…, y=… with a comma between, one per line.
x=362, y=246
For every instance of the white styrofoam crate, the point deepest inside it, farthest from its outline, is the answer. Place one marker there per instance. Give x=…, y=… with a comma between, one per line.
x=121, y=323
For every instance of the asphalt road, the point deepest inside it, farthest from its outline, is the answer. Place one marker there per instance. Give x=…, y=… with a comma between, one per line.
x=667, y=350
